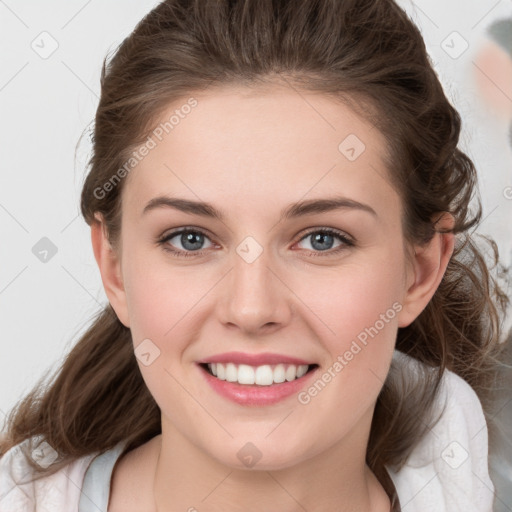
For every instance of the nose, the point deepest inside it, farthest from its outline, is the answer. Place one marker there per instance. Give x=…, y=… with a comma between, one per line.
x=254, y=298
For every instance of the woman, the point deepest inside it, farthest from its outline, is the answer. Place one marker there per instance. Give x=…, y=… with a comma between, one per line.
x=242, y=364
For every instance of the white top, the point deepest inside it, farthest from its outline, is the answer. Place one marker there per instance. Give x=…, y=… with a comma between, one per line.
x=446, y=472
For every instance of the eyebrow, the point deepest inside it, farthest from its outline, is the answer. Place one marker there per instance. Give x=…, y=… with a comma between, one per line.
x=295, y=210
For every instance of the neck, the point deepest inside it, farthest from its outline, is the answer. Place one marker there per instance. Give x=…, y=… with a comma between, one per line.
x=338, y=479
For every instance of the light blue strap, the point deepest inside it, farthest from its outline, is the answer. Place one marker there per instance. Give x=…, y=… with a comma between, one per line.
x=96, y=486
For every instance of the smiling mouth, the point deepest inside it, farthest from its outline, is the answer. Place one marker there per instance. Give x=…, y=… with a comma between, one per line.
x=264, y=375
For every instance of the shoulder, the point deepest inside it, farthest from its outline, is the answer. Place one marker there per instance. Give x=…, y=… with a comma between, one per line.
x=56, y=492
x=448, y=469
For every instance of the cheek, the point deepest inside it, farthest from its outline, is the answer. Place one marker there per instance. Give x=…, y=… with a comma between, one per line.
x=355, y=297
x=159, y=299
x=360, y=304
x=361, y=310
x=161, y=307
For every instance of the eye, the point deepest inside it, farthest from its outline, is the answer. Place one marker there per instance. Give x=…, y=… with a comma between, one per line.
x=323, y=239
x=191, y=241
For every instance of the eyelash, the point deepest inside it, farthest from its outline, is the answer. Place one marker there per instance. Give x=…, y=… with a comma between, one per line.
x=188, y=254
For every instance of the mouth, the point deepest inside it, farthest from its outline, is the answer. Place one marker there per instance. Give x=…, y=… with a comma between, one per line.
x=263, y=375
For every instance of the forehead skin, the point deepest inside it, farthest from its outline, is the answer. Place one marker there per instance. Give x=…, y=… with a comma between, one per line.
x=251, y=152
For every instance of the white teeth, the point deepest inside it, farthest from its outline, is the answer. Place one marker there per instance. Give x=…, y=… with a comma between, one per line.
x=221, y=372
x=291, y=373
x=279, y=373
x=245, y=374
x=264, y=375
x=231, y=373
x=302, y=370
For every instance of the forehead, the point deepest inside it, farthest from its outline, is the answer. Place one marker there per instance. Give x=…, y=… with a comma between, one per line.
x=271, y=143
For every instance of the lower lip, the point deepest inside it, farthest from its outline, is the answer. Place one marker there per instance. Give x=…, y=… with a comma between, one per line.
x=245, y=394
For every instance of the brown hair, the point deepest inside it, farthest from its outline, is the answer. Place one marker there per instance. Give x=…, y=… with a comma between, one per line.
x=367, y=53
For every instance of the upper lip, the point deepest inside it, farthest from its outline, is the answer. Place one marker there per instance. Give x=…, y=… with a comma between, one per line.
x=253, y=359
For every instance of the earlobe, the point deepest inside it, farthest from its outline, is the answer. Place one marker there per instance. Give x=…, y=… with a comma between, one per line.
x=109, y=265
x=429, y=267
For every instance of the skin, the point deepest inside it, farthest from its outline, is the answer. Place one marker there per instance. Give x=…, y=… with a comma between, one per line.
x=251, y=153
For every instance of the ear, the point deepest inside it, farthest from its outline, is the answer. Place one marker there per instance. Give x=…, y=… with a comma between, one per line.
x=109, y=264
x=429, y=266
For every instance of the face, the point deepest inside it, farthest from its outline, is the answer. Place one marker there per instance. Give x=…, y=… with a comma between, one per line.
x=273, y=283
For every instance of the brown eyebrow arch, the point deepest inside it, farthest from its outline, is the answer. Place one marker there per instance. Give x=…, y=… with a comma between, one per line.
x=302, y=208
